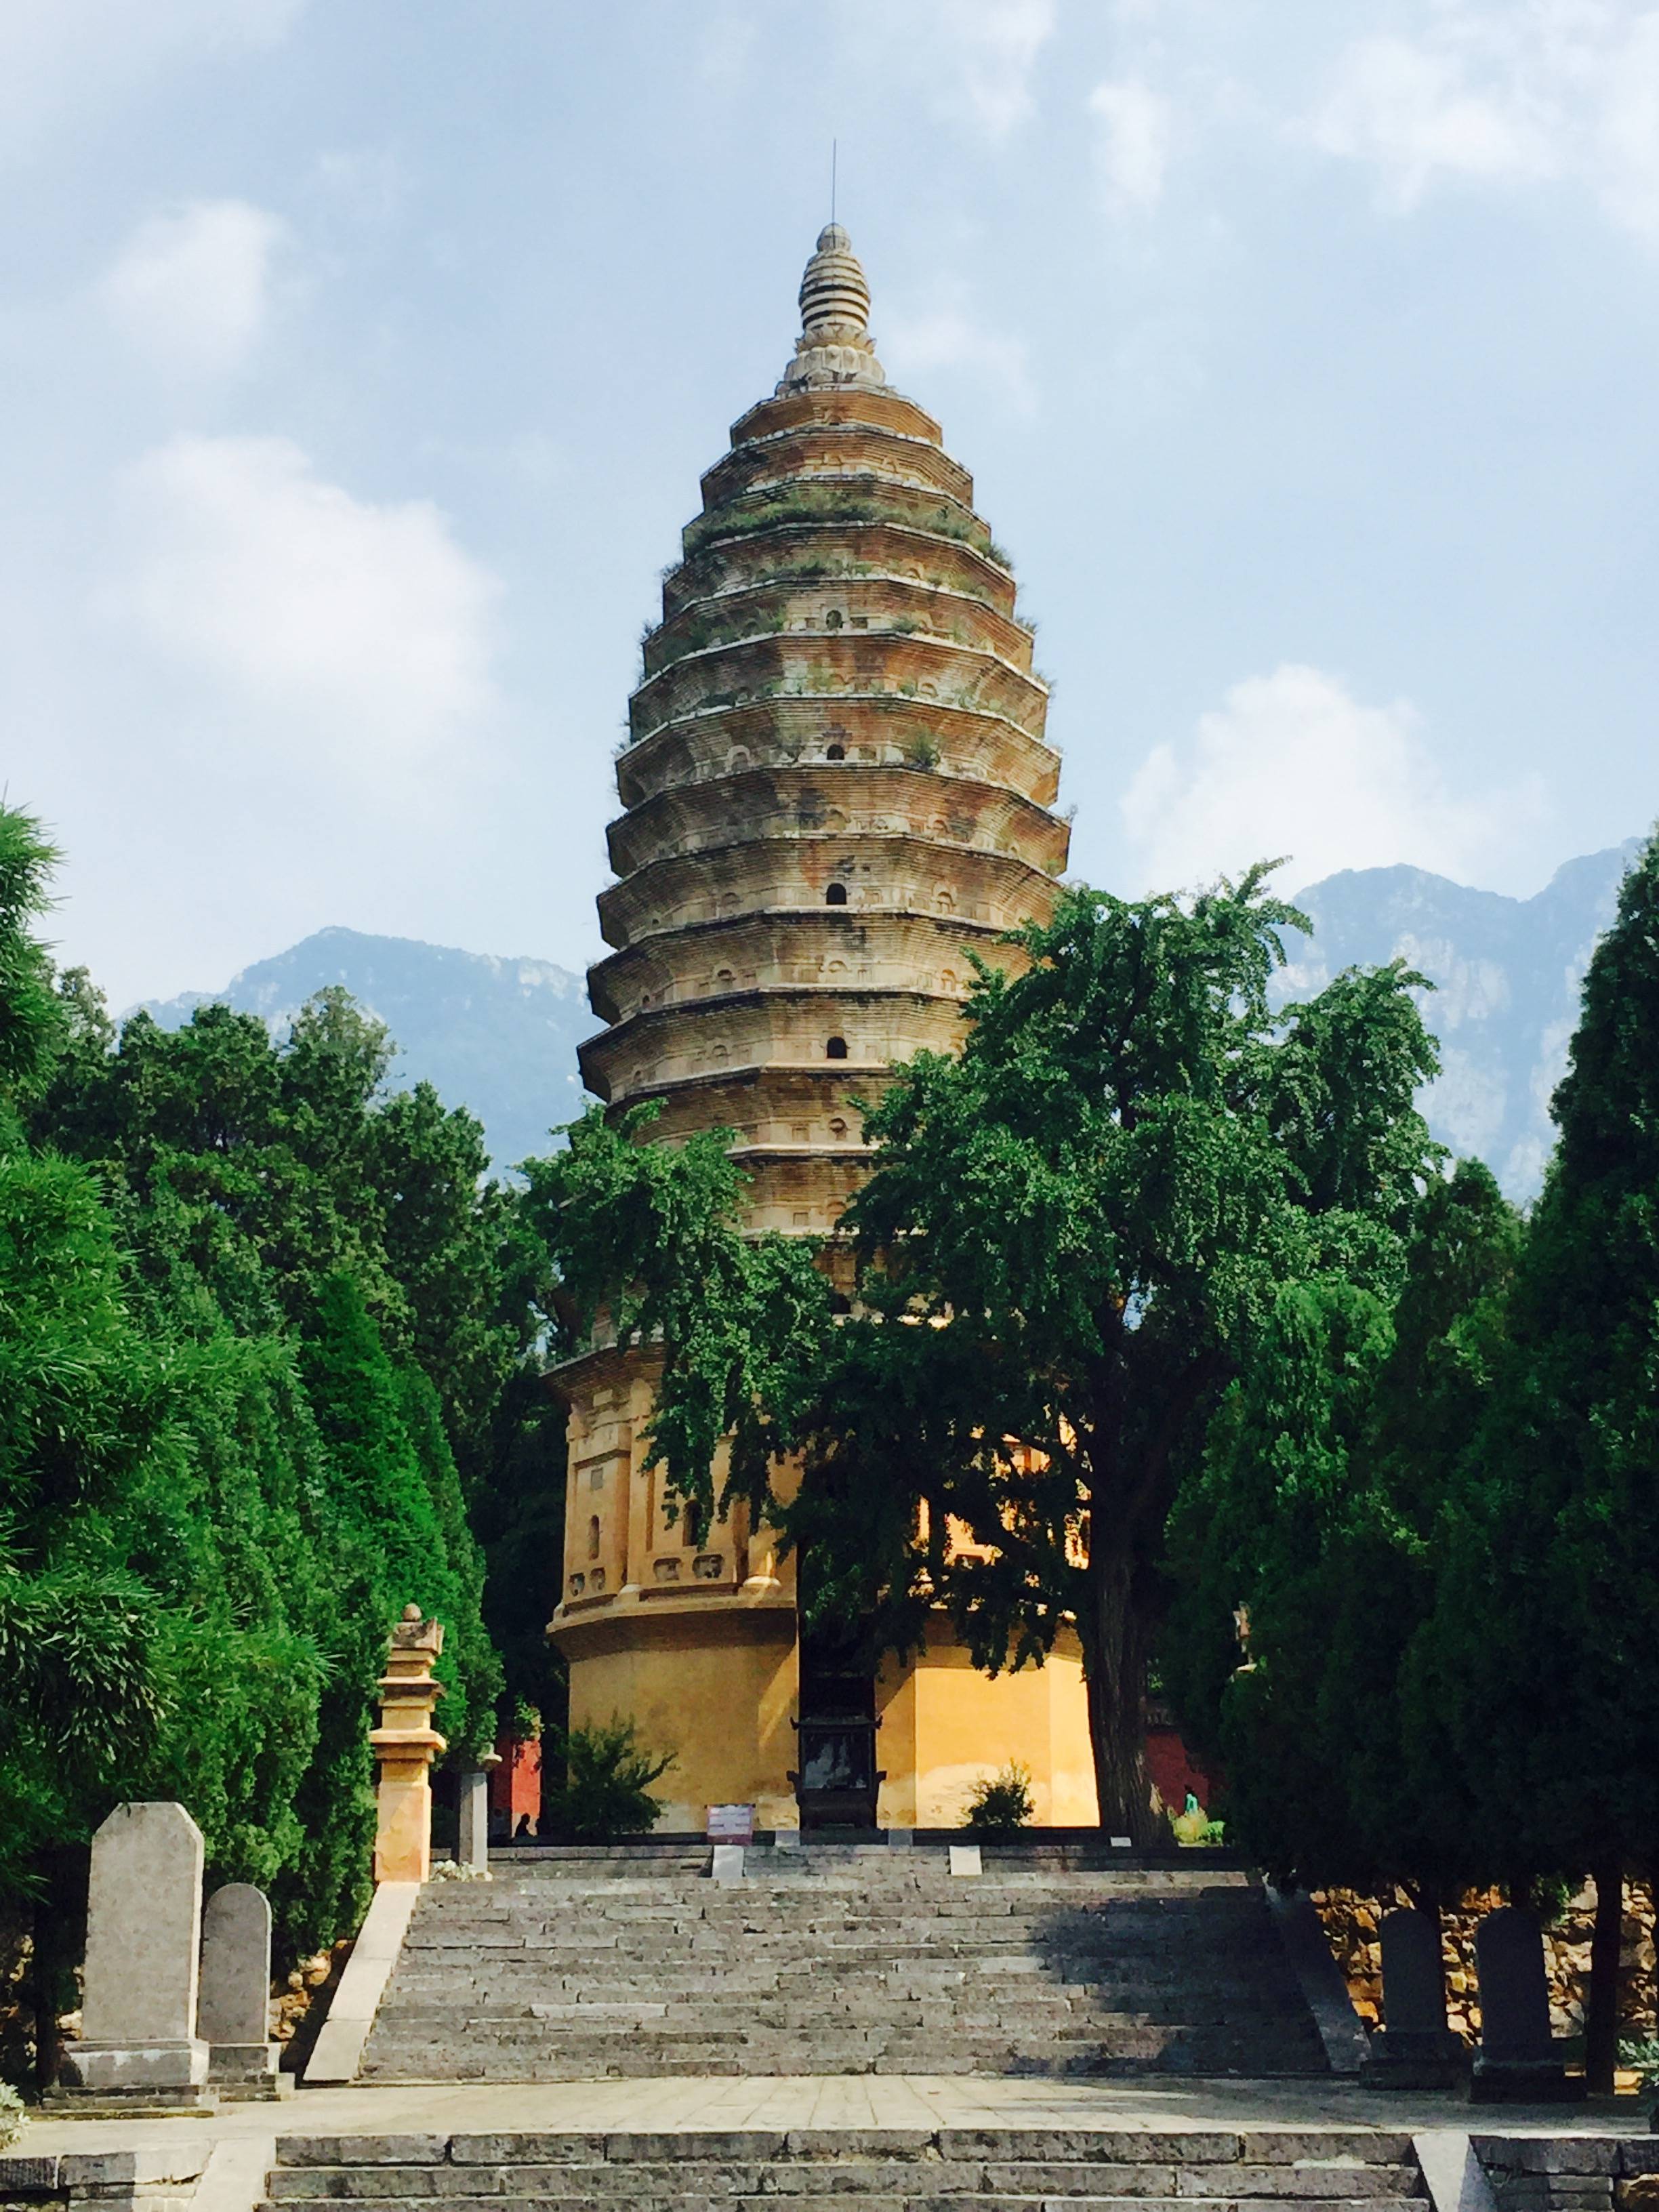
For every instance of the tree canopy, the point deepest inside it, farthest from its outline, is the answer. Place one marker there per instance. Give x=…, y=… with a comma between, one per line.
x=1072, y=1235
x=1303, y=1551
x=1541, y=1658
x=267, y=1331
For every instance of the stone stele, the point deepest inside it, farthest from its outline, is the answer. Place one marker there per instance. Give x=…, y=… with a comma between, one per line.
x=143, y=1938
x=1415, y=2049
x=1414, y=1977
x=1517, y=2061
x=1515, y=1998
x=233, y=2015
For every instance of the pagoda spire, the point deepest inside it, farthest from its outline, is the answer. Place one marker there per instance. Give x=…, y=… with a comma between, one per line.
x=835, y=347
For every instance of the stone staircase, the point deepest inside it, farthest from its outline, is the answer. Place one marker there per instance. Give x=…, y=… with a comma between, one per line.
x=839, y=1959
x=872, y=2170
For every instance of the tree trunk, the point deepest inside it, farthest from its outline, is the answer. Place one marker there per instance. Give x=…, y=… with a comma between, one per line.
x=1601, y=2006
x=1115, y=1661
x=56, y=1935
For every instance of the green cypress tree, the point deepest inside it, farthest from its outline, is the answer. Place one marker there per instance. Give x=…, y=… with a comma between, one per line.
x=174, y=1516
x=1541, y=1665
x=1257, y=1541
x=389, y=1532
x=1313, y=1516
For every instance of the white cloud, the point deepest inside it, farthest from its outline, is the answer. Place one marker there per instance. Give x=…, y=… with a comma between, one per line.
x=993, y=46
x=348, y=634
x=1293, y=765
x=194, y=287
x=1132, y=145
x=1414, y=112
x=1506, y=94
x=63, y=59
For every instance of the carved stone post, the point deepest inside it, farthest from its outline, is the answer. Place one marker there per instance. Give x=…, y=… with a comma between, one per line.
x=472, y=1842
x=406, y=1743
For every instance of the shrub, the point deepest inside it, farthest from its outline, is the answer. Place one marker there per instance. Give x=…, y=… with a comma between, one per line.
x=607, y=1790
x=1002, y=1806
x=13, y=2118
x=1193, y=1824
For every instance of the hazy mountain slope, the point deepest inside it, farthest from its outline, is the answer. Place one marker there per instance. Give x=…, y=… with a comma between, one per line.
x=1507, y=972
x=498, y=1035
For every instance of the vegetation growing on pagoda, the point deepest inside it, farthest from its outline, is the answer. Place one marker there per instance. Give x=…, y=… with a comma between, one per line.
x=845, y=501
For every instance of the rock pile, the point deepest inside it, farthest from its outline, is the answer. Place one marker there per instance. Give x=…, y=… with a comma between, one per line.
x=1351, y=1922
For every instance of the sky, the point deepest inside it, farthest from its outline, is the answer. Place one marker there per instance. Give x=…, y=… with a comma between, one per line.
x=360, y=362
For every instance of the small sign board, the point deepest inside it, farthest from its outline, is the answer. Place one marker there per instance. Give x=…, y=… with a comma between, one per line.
x=731, y=1824
x=1122, y=1843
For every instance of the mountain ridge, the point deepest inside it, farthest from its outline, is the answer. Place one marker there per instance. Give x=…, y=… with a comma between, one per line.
x=1507, y=974
x=498, y=1033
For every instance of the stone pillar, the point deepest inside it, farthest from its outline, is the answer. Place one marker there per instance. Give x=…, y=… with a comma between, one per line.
x=143, y=1941
x=405, y=1743
x=233, y=2014
x=472, y=1844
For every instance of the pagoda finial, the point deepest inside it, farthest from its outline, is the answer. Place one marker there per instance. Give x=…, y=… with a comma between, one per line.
x=835, y=346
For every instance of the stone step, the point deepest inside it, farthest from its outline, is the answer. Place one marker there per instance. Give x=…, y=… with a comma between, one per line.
x=900, y=1969
x=944, y=1982
x=1138, y=2181
x=1342, y=2146
x=931, y=1878
x=602, y=2017
x=574, y=2189
x=645, y=2057
x=949, y=1892
x=740, y=1939
x=876, y=2170
x=739, y=1899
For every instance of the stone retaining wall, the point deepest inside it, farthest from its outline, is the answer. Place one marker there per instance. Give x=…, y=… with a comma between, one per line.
x=1571, y=2173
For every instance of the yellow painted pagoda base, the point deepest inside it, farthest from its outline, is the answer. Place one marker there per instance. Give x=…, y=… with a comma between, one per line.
x=946, y=1727
x=713, y=1681
x=716, y=1681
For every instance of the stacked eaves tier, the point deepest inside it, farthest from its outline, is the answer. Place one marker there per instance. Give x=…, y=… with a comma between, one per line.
x=836, y=787
x=837, y=782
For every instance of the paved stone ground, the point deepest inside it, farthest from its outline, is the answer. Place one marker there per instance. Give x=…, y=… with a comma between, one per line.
x=853, y=2101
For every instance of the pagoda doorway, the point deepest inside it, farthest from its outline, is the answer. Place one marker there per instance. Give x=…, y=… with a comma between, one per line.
x=837, y=1780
